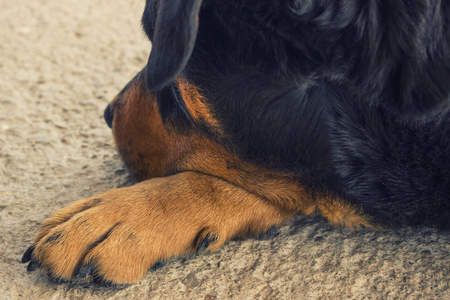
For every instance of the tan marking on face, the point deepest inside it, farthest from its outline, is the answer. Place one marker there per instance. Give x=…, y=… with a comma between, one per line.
x=197, y=106
x=139, y=133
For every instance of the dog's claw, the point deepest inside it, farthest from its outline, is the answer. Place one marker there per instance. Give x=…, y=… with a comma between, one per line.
x=158, y=265
x=208, y=240
x=84, y=271
x=27, y=255
x=33, y=266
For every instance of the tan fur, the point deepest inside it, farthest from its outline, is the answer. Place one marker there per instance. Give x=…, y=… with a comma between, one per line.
x=197, y=106
x=140, y=136
x=338, y=212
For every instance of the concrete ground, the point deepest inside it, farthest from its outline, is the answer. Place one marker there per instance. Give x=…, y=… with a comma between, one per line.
x=61, y=61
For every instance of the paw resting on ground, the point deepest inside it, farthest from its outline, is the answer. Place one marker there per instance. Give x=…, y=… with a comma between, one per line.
x=116, y=237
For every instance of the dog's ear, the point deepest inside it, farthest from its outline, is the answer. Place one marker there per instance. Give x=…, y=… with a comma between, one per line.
x=173, y=40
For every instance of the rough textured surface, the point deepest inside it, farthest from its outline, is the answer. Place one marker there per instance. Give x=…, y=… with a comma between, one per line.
x=61, y=61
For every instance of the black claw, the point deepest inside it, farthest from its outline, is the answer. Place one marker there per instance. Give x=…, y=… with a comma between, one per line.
x=84, y=271
x=33, y=266
x=157, y=266
x=208, y=240
x=27, y=255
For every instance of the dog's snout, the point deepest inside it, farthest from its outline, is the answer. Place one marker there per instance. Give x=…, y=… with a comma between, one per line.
x=108, y=115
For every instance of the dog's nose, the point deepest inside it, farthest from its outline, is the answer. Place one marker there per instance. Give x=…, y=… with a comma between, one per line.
x=108, y=115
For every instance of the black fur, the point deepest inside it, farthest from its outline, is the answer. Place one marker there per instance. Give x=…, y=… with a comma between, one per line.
x=176, y=18
x=351, y=96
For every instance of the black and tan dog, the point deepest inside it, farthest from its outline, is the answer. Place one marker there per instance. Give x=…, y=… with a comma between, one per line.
x=250, y=111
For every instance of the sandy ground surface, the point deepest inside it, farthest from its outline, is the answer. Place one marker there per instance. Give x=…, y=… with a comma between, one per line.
x=61, y=61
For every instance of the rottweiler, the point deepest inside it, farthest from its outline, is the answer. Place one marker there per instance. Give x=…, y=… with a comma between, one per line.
x=251, y=111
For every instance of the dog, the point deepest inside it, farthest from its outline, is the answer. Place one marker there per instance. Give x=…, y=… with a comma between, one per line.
x=251, y=111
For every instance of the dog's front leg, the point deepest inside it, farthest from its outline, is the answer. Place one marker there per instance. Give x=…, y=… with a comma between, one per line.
x=118, y=235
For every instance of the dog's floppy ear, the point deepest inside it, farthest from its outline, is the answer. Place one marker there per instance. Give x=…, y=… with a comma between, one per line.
x=173, y=40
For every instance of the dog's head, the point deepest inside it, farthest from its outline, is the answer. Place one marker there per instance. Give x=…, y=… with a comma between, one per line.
x=257, y=76
x=199, y=81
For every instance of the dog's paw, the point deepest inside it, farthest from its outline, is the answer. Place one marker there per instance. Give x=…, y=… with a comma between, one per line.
x=116, y=237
